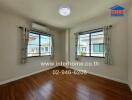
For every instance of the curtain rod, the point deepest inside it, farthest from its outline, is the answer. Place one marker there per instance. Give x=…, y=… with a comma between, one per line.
x=22, y=27
x=95, y=29
x=110, y=26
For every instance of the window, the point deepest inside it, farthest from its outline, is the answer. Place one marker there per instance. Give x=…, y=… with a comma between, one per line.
x=46, y=49
x=91, y=44
x=83, y=49
x=39, y=44
x=98, y=48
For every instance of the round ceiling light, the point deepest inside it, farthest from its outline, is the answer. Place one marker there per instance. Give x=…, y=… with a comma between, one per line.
x=64, y=11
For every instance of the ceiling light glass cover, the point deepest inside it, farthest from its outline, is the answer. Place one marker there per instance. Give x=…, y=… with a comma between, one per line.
x=64, y=11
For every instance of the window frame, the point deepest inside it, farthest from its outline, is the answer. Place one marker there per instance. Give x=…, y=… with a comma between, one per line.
x=91, y=32
x=39, y=33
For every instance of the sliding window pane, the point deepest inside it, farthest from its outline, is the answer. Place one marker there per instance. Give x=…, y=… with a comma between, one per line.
x=33, y=50
x=33, y=39
x=46, y=45
x=97, y=45
x=83, y=45
x=45, y=50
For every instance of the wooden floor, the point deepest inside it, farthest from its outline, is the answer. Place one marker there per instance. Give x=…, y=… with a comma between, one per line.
x=46, y=86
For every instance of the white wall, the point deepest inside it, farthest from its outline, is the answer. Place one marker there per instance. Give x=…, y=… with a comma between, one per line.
x=67, y=41
x=10, y=48
x=118, y=71
x=62, y=46
x=130, y=47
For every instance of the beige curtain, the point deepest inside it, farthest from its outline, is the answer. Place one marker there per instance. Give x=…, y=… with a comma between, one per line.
x=76, y=46
x=24, y=43
x=107, y=45
x=52, y=49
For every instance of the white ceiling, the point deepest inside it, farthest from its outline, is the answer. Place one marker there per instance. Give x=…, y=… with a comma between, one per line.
x=46, y=11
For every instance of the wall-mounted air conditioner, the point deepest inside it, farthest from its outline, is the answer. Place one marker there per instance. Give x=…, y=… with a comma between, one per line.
x=38, y=27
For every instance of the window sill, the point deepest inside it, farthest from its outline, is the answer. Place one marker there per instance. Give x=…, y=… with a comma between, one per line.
x=39, y=56
x=92, y=56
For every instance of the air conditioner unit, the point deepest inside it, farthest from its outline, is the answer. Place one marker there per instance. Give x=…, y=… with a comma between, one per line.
x=38, y=27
